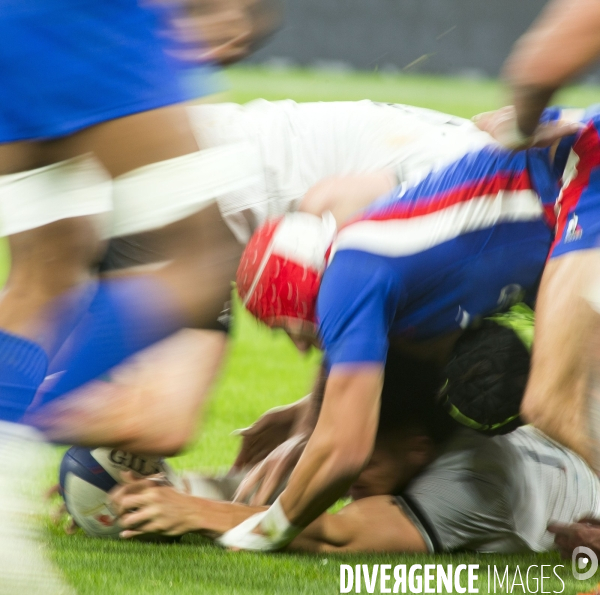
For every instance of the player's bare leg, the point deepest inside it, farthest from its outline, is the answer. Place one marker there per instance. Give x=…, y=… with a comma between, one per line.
x=203, y=252
x=556, y=398
x=36, y=278
x=33, y=281
x=126, y=411
x=196, y=282
x=162, y=387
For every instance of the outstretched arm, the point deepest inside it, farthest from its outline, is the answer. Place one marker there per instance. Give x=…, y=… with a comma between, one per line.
x=373, y=524
x=341, y=444
x=561, y=43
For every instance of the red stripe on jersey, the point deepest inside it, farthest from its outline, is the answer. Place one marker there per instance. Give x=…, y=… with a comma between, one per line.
x=550, y=216
x=485, y=186
x=587, y=148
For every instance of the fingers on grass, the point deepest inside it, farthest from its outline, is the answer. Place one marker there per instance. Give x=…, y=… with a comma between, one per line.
x=137, y=519
x=71, y=527
x=128, y=534
x=58, y=513
x=125, y=503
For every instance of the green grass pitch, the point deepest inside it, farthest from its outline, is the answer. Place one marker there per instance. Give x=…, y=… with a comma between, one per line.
x=263, y=370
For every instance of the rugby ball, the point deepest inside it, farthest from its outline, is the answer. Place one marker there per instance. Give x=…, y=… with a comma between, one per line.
x=86, y=476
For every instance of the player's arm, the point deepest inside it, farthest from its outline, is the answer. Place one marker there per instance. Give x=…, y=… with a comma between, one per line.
x=561, y=43
x=345, y=195
x=375, y=524
x=371, y=524
x=358, y=298
x=340, y=445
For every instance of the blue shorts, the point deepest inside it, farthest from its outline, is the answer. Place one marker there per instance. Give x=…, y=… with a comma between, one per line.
x=578, y=206
x=69, y=64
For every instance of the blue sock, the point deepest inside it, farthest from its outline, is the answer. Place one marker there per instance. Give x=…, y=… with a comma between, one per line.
x=23, y=366
x=125, y=316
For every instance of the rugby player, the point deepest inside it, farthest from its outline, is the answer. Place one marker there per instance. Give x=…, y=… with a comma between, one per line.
x=563, y=391
x=561, y=398
x=452, y=489
x=91, y=117
x=335, y=156
x=420, y=263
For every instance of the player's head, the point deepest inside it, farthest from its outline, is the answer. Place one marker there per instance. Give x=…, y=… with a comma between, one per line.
x=280, y=272
x=486, y=377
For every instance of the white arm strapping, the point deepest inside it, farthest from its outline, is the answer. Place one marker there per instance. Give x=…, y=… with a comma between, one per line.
x=161, y=193
x=34, y=198
x=276, y=531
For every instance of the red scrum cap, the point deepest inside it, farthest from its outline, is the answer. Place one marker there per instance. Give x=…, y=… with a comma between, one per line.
x=280, y=270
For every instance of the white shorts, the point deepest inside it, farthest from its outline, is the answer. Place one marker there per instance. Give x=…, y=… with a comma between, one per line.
x=499, y=494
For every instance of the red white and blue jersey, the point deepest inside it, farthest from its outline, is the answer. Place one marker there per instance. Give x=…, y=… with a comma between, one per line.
x=578, y=205
x=465, y=242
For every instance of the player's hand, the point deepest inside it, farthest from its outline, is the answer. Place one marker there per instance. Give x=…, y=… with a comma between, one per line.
x=59, y=513
x=223, y=37
x=266, y=477
x=585, y=532
x=264, y=435
x=222, y=31
x=502, y=126
x=149, y=506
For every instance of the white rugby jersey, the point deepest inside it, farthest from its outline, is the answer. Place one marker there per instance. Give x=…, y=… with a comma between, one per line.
x=302, y=143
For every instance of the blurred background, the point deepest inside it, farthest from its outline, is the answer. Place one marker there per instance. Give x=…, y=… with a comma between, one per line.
x=453, y=37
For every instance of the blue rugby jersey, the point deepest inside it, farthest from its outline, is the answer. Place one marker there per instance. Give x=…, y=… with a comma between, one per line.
x=465, y=242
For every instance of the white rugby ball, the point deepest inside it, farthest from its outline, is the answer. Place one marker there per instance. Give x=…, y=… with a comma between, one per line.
x=86, y=476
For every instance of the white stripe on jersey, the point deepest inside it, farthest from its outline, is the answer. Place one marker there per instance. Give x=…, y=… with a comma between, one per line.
x=402, y=237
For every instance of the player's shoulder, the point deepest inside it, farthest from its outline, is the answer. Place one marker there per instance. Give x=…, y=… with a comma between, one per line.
x=356, y=266
x=358, y=276
x=448, y=203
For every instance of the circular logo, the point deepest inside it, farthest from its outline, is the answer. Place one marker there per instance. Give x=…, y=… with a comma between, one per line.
x=584, y=562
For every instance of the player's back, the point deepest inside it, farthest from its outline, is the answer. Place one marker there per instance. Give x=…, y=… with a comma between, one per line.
x=468, y=240
x=302, y=143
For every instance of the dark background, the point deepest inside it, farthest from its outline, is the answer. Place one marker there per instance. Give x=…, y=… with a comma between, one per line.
x=458, y=37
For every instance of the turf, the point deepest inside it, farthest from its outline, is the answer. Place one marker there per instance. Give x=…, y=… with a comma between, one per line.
x=263, y=370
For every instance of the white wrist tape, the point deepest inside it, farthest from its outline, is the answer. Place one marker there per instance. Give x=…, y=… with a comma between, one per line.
x=38, y=197
x=242, y=536
x=276, y=531
x=161, y=193
x=276, y=526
